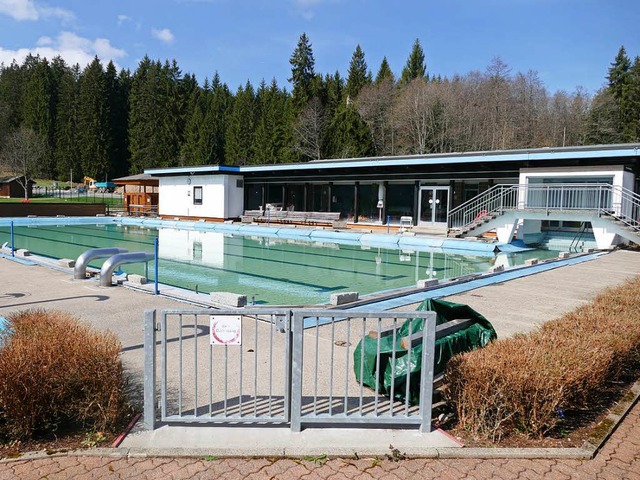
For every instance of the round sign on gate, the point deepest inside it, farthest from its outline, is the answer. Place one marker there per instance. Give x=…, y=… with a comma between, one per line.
x=226, y=329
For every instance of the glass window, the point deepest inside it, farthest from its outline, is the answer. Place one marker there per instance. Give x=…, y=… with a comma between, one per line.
x=367, y=203
x=399, y=201
x=197, y=195
x=342, y=197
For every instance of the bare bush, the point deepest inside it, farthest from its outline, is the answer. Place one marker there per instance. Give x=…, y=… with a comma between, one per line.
x=527, y=383
x=56, y=373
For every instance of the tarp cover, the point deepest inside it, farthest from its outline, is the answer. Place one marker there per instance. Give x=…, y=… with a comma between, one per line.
x=480, y=333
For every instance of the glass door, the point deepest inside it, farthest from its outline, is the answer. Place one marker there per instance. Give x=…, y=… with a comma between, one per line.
x=434, y=205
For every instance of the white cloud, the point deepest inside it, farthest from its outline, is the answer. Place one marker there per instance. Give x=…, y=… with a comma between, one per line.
x=73, y=48
x=124, y=18
x=30, y=10
x=306, y=8
x=164, y=35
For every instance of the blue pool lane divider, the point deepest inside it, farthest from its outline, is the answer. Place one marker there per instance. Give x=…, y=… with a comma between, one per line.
x=353, y=237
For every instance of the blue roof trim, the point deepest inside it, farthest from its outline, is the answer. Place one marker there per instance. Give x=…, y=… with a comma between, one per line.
x=541, y=154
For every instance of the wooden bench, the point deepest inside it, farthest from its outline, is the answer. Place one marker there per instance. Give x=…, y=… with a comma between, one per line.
x=442, y=330
x=285, y=216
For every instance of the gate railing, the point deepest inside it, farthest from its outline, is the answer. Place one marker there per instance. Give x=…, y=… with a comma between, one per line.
x=292, y=368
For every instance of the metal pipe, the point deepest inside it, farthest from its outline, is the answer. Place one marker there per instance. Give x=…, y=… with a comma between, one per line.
x=112, y=262
x=80, y=270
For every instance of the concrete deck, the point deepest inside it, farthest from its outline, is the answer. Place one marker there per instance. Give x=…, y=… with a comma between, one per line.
x=515, y=306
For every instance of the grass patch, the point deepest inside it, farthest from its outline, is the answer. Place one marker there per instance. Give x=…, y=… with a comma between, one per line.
x=529, y=384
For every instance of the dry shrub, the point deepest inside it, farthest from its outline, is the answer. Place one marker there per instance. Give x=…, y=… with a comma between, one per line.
x=56, y=373
x=526, y=382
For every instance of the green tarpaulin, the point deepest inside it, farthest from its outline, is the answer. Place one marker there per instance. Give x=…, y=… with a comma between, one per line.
x=475, y=336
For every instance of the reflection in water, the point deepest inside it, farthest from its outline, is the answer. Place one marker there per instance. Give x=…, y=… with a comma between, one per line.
x=273, y=270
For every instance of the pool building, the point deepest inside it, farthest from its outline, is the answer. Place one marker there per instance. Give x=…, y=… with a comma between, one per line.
x=425, y=190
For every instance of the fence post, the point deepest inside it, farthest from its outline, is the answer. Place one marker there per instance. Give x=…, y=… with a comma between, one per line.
x=296, y=372
x=156, y=248
x=149, y=369
x=13, y=250
x=426, y=373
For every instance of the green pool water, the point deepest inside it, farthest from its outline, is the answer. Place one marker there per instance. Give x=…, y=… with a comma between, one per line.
x=267, y=270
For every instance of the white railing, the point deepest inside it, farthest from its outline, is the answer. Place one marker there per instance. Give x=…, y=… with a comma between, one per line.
x=601, y=199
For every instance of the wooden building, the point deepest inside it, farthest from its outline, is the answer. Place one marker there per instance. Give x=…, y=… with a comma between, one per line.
x=140, y=194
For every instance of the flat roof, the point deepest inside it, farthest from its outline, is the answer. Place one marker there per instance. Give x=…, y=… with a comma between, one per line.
x=529, y=155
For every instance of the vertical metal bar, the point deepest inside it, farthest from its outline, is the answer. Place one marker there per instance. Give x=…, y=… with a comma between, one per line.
x=375, y=393
x=362, y=339
x=210, y=380
x=333, y=328
x=393, y=366
x=346, y=379
x=288, y=348
x=163, y=386
x=255, y=371
x=13, y=247
x=156, y=248
x=315, y=383
x=273, y=320
x=195, y=365
x=226, y=380
x=180, y=368
x=296, y=372
x=426, y=374
x=408, y=382
x=149, y=369
x=240, y=381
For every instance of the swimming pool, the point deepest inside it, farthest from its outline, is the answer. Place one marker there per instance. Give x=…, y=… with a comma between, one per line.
x=268, y=269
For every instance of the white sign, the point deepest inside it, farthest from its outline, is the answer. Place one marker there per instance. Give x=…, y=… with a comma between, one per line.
x=226, y=329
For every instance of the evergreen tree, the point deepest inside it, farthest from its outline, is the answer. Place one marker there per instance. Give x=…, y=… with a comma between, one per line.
x=358, y=75
x=619, y=74
x=11, y=88
x=190, y=151
x=348, y=136
x=333, y=93
x=631, y=105
x=154, y=123
x=272, y=139
x=415, y=67
x=116, y=90
x=384, y=72
x=241, y=127
x=219, y=108
x=94, y=133
x=37, y=109
x=67, y=150
x=302, y=72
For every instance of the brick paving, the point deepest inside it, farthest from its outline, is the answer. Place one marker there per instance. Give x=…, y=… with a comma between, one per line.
x=619, y=459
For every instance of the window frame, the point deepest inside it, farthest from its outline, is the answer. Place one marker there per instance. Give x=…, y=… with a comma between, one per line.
x=197, y=200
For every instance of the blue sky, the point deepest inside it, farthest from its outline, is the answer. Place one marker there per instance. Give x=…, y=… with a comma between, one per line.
x=568, y=42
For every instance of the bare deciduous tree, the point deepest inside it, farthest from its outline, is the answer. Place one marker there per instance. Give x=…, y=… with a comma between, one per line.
x=308, y=129
x=22, y=155
x=375, y=106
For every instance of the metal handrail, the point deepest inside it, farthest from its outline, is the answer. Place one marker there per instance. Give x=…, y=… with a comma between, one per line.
x=603, y=199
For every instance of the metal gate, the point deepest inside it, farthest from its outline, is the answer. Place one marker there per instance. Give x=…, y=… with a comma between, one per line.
x=294, y=368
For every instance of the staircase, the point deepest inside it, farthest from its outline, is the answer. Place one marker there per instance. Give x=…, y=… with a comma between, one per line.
x=613, y=208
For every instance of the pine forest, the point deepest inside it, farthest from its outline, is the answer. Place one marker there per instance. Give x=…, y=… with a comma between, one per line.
x=106, y=123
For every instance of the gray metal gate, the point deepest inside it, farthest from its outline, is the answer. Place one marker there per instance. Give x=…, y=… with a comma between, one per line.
x=293, y=368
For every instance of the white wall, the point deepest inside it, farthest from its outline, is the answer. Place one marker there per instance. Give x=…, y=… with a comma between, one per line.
x=615, y=171
x=221, y=198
